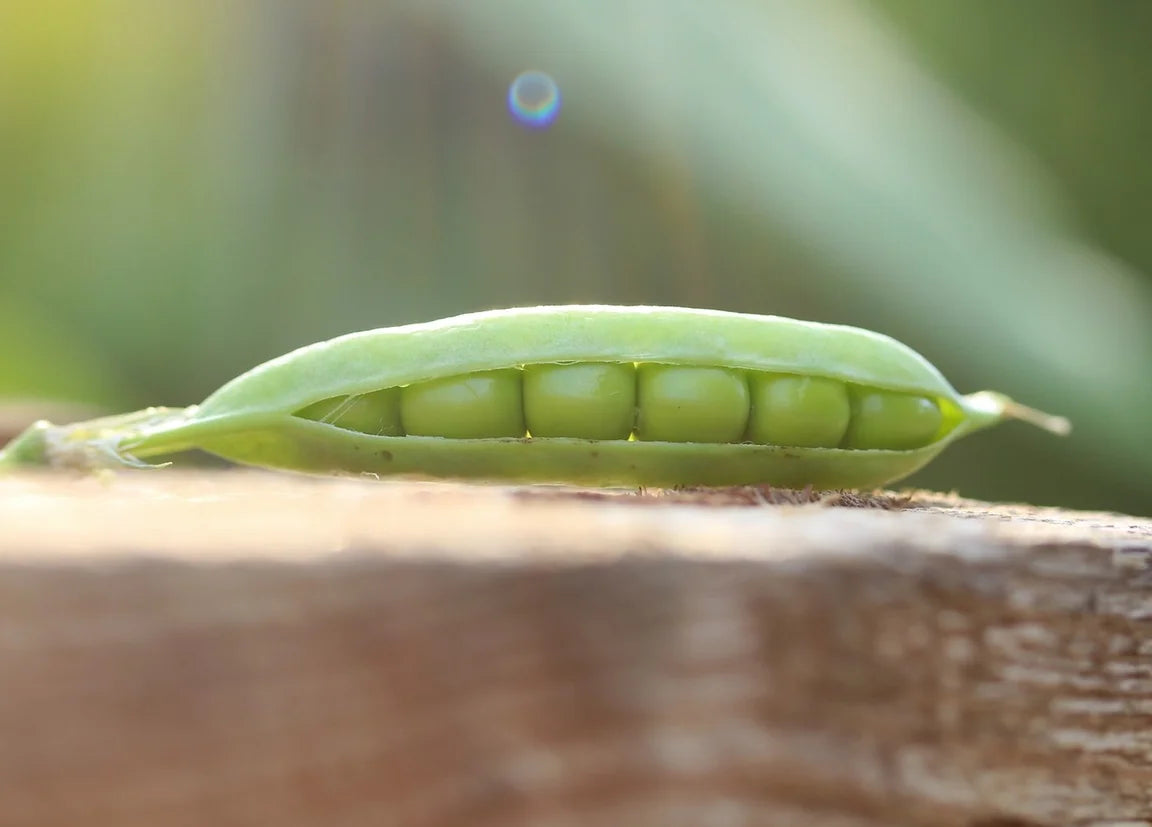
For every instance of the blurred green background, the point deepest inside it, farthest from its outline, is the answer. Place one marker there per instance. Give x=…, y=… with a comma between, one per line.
x=191, y=188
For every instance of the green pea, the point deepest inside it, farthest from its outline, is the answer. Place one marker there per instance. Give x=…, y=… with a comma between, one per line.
x=583, y=401
x=690, y=404
x=476, y=406
x=804, y=411
x=892, y=421
x=369, y=413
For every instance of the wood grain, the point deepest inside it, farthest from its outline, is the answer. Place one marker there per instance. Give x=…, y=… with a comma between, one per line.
x=246, y=649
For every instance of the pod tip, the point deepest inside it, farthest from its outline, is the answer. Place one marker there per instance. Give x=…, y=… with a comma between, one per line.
x=1058, y=425
x=988, y=407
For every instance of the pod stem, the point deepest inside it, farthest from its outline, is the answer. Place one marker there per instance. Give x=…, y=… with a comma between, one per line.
x=28, y=448
x=91, y=444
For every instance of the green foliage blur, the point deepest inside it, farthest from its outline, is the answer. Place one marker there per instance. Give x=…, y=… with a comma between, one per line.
x=189, y=189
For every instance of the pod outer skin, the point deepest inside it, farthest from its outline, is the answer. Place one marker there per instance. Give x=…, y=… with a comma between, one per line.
x=388, y=357
x=312, y=447
x=250, y=419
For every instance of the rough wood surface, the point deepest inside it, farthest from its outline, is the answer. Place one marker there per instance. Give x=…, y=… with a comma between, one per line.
x=242, y=649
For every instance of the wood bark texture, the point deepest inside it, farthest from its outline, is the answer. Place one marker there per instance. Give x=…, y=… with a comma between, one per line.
x=247, y=649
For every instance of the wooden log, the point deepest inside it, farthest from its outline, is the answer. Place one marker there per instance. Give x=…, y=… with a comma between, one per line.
x=248, y=649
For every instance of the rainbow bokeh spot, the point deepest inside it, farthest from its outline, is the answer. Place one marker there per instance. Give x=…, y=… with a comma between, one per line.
x=534, y=99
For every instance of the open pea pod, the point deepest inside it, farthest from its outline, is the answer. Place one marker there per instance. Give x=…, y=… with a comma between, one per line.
x=592, y=395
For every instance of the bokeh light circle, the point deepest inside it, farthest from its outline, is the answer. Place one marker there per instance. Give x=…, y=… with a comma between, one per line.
x=534, y=99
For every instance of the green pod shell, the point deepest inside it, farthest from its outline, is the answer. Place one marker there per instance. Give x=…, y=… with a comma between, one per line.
x=254, y=419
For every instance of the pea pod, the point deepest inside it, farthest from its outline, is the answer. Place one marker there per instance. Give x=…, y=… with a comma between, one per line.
x=593, y=395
